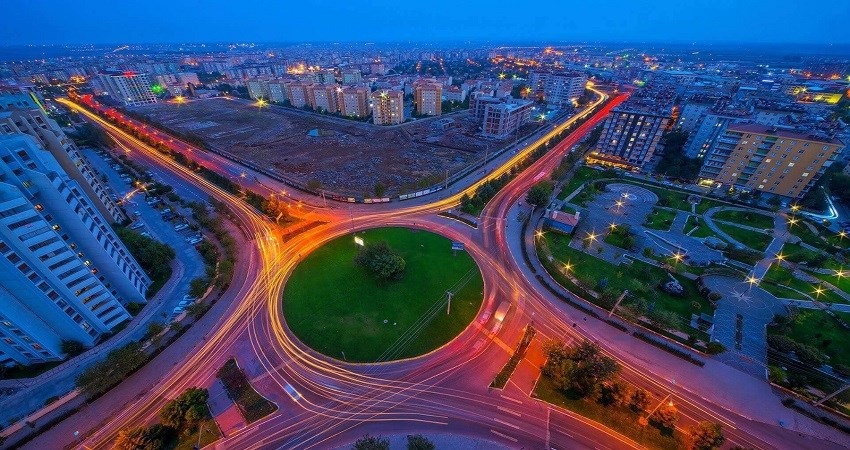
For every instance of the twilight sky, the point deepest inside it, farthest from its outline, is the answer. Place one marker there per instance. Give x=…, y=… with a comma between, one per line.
x=133, y=21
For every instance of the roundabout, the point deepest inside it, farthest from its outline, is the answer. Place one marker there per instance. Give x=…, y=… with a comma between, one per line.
x=342, y=310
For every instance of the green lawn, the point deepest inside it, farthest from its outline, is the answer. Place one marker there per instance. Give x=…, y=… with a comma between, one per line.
x=802, y=231
x=251, y=404
x=748, y=218
x=819, y=329
x=639, y=278
x=622, y=420
x=842, y=283
x=660, y=219
x=797, y=253
x=581, y=175
x=781, y=275
x=753, y=239
x=701, y=230
x=666, y=197
x=707, y=203
x=209, y=434
x=567, y=208
x=334, y=306
x=621, y=236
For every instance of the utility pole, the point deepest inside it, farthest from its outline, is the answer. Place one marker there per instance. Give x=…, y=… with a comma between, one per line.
x=447, y=180
x=617, y=303
x=840, y=390
x=449, y=308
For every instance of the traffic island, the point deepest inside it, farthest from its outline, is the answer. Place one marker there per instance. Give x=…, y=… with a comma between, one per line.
x=382, y=294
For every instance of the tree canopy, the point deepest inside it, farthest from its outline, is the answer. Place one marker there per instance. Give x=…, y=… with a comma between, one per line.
x=381, y=260
x=582, y=369
x=539, y=194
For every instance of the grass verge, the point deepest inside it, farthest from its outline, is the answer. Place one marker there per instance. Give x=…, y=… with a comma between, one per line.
x=251, y=404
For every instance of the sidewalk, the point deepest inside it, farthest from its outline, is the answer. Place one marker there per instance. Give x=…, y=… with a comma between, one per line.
x=726, y=389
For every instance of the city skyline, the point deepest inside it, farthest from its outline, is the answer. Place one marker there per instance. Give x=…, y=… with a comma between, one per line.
x=681, y=22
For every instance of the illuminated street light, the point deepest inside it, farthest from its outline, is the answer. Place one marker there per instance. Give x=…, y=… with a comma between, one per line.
x=261, y=103
x=793, y=221
x=795, y=207
x=568, y=267
x=591, y=236
x=780, y=257
x=179, y=99
x=840, y=274
x=819, y=291
x=842, y=234
x=752, y=280
x=612, y=226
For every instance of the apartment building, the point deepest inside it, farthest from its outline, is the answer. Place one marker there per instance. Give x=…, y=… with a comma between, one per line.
x=387, y=107
x=632, y=132
x=64, y=274
x=351, y=76
x=558, y=88
x=128, y=88
x=502, y=119
x=428, y=96
x=756, y=157
x=299, y=94
x=324, y=97
x=354, y=101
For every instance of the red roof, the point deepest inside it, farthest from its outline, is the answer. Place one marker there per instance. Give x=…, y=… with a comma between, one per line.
x=565, y=218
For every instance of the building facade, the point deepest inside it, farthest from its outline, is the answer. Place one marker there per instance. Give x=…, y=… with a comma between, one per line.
x=630, y=137
x=324, y=98
x=502, y=119
x=558, y=88
x=757, y=157
x=354, y=102
x=428, y=96
x=387, y=107
x=128, y=88
x=64, y=274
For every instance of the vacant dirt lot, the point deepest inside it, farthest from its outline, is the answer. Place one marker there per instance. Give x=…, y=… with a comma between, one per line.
x=345, y=156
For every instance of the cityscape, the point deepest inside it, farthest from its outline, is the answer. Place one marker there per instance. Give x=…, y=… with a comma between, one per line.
x=424, y=226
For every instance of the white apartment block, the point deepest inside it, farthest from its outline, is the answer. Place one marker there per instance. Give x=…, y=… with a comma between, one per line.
x=64, y=274
x=129, y=88
x=559, y=88
x=299, y=94
x=50, y=136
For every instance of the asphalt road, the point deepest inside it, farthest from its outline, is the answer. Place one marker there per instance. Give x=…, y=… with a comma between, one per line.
x=445, y=391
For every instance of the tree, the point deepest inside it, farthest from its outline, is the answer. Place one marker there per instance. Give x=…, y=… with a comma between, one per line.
x=155, y=437
x=154, y=329
x=539, y=194
x=186, y=411
x=639, y=400
x=380, y=189
x=198, y=286
x=706, y=436
x=115, y=367
x=72, y=348
x=582, y=368
x=381, y=260
x=665, y=419
x=809, y=355
x=674, y=163
x=419, y=442
x=613, y=393
x=371, y=443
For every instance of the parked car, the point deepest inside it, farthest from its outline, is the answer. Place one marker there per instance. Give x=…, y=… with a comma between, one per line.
x=181, y=227
x=137, y=225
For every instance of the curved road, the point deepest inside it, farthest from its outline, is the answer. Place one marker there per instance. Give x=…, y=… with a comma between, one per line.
x=445, y=391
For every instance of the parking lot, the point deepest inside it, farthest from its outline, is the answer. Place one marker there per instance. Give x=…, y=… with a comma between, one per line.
x=154, y=218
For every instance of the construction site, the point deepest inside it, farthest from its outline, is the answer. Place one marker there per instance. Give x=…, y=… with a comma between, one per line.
x=330, y=152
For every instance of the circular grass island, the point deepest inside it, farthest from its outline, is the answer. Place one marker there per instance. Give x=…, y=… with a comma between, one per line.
x=343, y=310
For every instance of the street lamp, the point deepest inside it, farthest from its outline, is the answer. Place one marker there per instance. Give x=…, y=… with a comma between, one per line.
x=261, y=103
x=752, y=280
x=780, y=257
x=819, y=291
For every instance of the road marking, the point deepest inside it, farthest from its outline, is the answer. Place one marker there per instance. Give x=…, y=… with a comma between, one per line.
x=518, y=402
x=504, y=435
x=516, y=427
x=478, y=344
x=509, y=411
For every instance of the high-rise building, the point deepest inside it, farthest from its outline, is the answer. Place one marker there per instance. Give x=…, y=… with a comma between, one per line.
x=354, y=101
x=757, y=157
x=324, y=97
x=64, y=274
x=277, y=91
x=632, y=132
x=558, y=88
x=351, y=76
x=258, y=89
x=50, y=136
x=428, y=96
x=502, y=119
x=387, y=107
x=478, y=102
x=128, y=88
x=299, y=94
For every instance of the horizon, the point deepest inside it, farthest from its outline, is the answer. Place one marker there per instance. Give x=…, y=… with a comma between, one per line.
x=620, y=21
